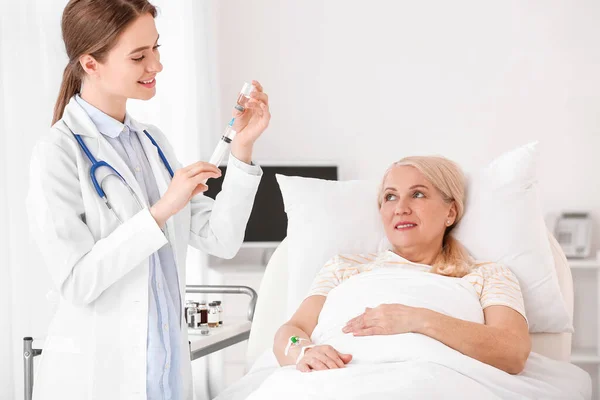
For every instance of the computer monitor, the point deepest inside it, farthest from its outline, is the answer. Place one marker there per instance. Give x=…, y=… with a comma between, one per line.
x=268, y=221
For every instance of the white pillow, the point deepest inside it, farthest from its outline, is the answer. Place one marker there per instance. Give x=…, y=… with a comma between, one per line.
x=326, y=218
x=503, y=222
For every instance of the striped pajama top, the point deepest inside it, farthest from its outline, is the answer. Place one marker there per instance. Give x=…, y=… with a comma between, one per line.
x=494, y=283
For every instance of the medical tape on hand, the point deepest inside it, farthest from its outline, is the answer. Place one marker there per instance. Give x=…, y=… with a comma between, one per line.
x=302, y=351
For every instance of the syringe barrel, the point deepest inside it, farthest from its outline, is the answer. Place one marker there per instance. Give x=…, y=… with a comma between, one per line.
x=219, y=153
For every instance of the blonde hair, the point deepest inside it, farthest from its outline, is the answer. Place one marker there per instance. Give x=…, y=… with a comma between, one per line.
x=447, y=177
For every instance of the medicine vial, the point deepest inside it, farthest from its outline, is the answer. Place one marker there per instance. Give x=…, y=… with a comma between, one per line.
x=203, y=310
x=244, y=95
x=191, y=308
x=213, y=315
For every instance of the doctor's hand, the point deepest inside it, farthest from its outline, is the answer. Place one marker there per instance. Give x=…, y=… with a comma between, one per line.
x=386, y=319
x=186, y=183
x=322, y=357
x=250, y=123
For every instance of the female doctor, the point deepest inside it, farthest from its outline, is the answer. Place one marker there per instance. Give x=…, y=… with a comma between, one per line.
x=116, y=251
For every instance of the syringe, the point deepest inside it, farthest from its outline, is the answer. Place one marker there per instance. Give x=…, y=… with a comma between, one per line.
x=223, y=145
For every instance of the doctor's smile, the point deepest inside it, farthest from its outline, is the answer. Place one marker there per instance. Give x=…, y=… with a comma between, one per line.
x=148, y=83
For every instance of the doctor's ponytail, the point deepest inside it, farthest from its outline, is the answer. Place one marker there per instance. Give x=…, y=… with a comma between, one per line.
x=92, y=27
x=70, y=86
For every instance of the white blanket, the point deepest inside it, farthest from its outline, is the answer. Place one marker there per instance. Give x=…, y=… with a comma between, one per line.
x=413, y=366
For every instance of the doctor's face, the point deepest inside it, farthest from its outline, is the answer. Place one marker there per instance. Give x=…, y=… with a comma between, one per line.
x=131, y=66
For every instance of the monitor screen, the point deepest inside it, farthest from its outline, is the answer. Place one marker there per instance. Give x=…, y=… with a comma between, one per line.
x=268, y=221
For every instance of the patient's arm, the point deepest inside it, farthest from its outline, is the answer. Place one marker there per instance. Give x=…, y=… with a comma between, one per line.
x=503, y=341
x=302, y=324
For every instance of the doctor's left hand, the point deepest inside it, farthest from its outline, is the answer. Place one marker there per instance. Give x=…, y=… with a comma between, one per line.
x=386, y=319
x=250, y=123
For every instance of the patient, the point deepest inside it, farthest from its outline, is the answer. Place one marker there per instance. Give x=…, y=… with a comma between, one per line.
x=420, y=201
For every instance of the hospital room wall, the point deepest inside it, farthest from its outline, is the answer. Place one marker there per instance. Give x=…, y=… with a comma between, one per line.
x=366, y=83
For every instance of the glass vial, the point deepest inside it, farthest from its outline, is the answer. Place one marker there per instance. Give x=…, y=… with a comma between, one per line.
x=190, y=311
x=195, y=321
x=220, y=308
x=203, y=309
x=203, y=312
x=213, y=315
x=244, y=95
x=204, y=330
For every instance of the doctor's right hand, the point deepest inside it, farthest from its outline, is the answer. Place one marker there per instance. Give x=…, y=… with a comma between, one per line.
x=186, y=183
x=322, y=357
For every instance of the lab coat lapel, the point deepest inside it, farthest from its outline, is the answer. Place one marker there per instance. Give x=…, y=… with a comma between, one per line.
x=80, y=123
x=159, y=171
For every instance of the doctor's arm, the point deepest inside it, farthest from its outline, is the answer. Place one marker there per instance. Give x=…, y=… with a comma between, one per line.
x=218, y=227
x=81, y=267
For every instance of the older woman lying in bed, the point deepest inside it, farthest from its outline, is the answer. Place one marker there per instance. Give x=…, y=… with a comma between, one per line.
x=420, y=201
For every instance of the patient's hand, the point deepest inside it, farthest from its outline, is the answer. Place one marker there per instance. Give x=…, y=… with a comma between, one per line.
x=386, y=319
x=321, y=358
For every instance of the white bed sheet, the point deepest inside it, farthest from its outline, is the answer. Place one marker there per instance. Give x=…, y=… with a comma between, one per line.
x=568, y=382
x=262, y=368
x=408, y=365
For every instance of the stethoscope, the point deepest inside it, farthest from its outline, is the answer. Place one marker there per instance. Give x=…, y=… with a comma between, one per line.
x=97, y=164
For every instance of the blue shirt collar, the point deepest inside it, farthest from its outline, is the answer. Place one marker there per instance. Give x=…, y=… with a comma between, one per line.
x=107, y=125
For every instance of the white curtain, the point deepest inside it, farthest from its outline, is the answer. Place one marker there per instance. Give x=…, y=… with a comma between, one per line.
x=32, y=60
x=6, y=342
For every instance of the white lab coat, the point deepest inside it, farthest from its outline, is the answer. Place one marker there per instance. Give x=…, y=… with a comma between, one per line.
x=96, y=343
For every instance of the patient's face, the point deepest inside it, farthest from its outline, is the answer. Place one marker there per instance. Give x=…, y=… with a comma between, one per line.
x=413, y=212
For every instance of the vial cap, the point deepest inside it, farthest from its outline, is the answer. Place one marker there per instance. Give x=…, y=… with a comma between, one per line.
x=247, y=89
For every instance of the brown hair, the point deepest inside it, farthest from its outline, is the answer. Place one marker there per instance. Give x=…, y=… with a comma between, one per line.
x=449, y=180
x=92, y=27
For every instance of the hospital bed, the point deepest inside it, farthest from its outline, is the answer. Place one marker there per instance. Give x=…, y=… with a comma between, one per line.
x=270, y=314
